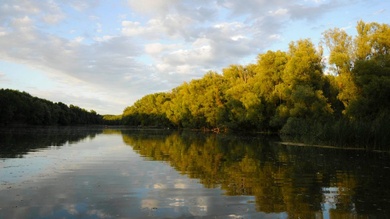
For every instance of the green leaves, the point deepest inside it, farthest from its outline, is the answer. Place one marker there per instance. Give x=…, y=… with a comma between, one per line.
x=285, y=89
x=340, y=46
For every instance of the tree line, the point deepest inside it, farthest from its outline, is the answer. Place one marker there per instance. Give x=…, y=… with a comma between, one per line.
x=299, y=91
x=22, y=108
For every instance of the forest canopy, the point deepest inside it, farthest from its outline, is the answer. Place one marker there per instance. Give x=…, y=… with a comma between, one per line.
x=297, y=91
x=23, y=109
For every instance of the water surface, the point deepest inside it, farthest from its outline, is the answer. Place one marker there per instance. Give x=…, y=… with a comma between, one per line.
x=103, y=173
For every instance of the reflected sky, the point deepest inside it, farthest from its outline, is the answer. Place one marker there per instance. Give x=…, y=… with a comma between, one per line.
x=128, y=174
x=104, y=178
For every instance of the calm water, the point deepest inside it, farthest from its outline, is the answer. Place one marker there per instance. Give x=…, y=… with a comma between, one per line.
x=102, y=173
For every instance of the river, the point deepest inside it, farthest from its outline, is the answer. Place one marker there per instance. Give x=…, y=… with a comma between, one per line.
x=84, y=172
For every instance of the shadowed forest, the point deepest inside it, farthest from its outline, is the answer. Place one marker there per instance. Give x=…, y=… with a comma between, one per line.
x=341, y=98
x=20, y=108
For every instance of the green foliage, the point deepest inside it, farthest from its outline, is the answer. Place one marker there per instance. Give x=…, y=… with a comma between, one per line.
x=112, y=119
x=304, y=65
x=21, y=108
x=148, y=111
x=287, y=91
x=373, y=39
x=341, y=50
x=372, y=77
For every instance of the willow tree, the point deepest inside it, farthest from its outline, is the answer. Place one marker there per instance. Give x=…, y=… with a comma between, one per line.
x=341, y=58
x=268, y=82
x=372, y=40
x=198, y=103
x=244, y=103
x=302, y=93
x=150, y=110
x=371, y=71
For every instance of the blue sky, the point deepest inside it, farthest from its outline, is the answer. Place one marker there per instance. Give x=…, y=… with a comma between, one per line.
x=104, y=55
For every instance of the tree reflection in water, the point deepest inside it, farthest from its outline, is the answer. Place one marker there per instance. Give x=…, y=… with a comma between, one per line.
x=304, y=182
x=16, y=142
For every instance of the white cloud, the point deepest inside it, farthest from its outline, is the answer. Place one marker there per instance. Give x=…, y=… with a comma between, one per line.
x=17, y=8
x=155, y=46
x=3, y=31
x=172, y=26
x=101, y=66
x=53, y=18
x=23, y=24
x=156, y=49
x=152, y=6
x=82, y=5
x=238, y=37
x=130, y=28
x=274, y=37
x=53, y=13
x=103, y=38
x=78, y=39
x=279, y=12
x=47, y=11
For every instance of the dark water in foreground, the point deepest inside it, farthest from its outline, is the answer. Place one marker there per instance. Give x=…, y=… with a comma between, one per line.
x=102, y=173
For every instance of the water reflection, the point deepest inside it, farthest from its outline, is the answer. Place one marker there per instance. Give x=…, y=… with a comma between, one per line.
x=16, y=142
x=304, y=182
x=103, y=173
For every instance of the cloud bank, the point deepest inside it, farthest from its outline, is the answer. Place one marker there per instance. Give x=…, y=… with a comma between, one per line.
x=106, y=56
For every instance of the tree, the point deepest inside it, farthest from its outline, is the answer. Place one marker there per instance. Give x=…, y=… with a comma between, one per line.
x=371, y=72
x=286, y=91
x=302, y=93
x=373, y=80
x=269, y=70
x=268, y=83
x=243, y=102
x=340, y=46
x=372, y=40
x=22, y=108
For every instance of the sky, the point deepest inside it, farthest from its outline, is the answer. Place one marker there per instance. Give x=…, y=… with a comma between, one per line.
x=104, y=55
